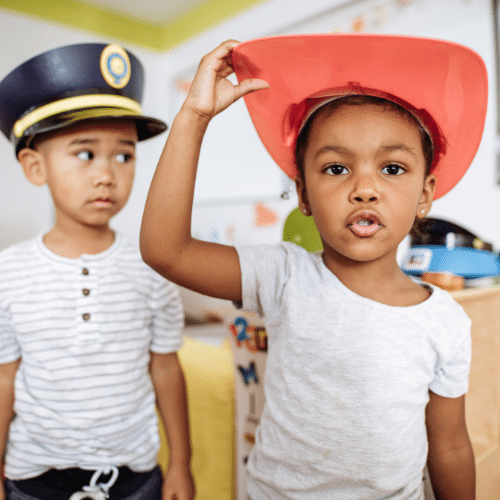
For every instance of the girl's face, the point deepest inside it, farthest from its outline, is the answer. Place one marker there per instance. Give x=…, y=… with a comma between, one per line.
x=364, y=182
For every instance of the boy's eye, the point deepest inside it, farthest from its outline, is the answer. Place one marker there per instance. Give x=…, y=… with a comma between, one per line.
x=123, y=157
x=393, y=169
x=336, y=169
x=85, y=155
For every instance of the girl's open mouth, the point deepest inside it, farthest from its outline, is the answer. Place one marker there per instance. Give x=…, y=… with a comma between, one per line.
x=365, y=225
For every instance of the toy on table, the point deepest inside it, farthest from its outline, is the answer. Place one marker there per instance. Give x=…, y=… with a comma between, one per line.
x=448, y=255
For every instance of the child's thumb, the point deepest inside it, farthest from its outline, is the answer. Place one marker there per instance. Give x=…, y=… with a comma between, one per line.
x=250, y=85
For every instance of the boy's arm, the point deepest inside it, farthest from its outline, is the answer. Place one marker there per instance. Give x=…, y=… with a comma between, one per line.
x=7, y=376
x=166, y=242
x=451, y=459
x=170, y=388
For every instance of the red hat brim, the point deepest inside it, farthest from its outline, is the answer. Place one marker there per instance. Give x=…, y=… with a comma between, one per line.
x=443, y=83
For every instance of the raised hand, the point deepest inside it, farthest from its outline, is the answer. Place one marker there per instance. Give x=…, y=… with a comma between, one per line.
x=211, y=92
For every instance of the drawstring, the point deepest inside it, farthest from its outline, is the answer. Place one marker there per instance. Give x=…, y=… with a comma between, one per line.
x=95, y=490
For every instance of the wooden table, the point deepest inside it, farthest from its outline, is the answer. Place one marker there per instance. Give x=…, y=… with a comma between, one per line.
x=483, y=399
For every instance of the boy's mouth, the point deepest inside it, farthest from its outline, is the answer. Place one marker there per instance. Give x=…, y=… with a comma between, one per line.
x=365, y=224
x=102, y=202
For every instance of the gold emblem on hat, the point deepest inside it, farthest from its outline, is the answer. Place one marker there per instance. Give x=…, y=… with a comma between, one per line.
x=115, y=66
x=478, y=244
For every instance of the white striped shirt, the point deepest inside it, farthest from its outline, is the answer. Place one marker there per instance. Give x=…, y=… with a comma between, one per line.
x=84, y=329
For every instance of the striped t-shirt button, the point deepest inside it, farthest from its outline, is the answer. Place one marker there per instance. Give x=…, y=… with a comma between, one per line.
x=86, y=316
x=85, y=291
x=85, y=271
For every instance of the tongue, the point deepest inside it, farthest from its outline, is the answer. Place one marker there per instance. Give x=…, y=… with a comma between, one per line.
x=364, y=228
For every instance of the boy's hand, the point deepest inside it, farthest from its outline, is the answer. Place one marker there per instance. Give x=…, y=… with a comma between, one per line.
x=178, y=484
x=211, y=92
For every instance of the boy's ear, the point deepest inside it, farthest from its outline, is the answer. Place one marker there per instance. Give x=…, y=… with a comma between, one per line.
x=32, y=163
x=425, y=203
x=300, y=186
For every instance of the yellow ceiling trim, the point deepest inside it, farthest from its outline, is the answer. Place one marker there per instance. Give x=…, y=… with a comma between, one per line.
x=108, y=24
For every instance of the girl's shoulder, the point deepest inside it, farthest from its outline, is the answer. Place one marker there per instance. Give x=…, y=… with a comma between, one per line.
x=284, y=256
x=445, y=310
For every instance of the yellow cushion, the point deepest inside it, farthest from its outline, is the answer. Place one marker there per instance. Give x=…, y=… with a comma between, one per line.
x=208, y=371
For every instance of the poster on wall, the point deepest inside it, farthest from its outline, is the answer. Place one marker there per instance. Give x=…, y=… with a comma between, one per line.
x=249, y=349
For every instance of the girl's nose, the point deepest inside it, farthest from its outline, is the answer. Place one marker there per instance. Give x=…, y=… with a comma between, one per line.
x=364, y=189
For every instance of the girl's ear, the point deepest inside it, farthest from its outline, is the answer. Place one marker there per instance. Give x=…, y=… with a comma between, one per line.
x=32, y=163
x=425, y=203
x=302, y=194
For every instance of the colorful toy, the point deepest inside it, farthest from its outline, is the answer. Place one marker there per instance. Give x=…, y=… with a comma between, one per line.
x=443, y=247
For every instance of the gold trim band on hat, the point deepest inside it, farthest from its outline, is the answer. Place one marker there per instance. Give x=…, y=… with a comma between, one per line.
x=72, y=104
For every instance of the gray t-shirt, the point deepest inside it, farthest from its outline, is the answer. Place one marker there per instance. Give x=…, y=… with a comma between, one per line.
x=347, y=381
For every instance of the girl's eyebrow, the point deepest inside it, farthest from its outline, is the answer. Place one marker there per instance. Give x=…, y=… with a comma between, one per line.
x=400, y=147
x=335, y=149
x=346, y=151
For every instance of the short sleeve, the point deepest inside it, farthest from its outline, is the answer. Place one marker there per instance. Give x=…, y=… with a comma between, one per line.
x=264, y=274
x=451, y=375
x=9, y=348
x=168, y=317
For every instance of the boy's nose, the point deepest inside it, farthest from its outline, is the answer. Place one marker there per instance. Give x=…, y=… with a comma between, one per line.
x=104, y=173
x=364, y=189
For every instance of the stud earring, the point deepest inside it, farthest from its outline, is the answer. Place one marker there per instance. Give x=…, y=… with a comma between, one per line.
x=422, y=211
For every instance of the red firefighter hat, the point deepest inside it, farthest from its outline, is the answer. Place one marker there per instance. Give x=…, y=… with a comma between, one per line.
x=444, y=84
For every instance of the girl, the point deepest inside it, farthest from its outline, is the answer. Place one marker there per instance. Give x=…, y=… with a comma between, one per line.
x=366, y=370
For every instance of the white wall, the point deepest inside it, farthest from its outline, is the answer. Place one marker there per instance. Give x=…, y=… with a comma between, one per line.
x=231, y=141
x=234, y=165
x=233, y=162
x=26, y=210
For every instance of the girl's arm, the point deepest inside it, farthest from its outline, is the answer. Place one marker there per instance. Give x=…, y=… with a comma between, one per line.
x=7, y=376
x=166, y=242
x=171, y=400
x=451, y=459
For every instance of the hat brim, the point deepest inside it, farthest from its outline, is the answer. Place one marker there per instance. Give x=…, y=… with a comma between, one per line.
x=147, y=127
x=444, y=83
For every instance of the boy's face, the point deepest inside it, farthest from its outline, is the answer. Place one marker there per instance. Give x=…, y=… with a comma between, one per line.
x=365, y=182
x=89, y=169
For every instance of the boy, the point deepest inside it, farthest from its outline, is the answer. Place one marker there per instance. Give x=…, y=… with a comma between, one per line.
x=88, y=332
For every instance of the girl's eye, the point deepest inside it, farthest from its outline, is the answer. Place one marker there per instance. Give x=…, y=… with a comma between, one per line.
x=393, y=169
x=85, y=155
x=336, y=169
x=123, y=157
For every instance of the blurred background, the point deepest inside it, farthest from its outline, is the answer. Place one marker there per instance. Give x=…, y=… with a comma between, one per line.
x=241, y=195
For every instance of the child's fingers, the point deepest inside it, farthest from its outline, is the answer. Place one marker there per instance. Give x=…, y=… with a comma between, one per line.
x=214, y=67
x=219, y=59
x=211, y=92
x=225, y=48
x=174, y=495
x=250, y=85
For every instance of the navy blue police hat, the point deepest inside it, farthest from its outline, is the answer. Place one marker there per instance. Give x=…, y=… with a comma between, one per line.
x=89, y=81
